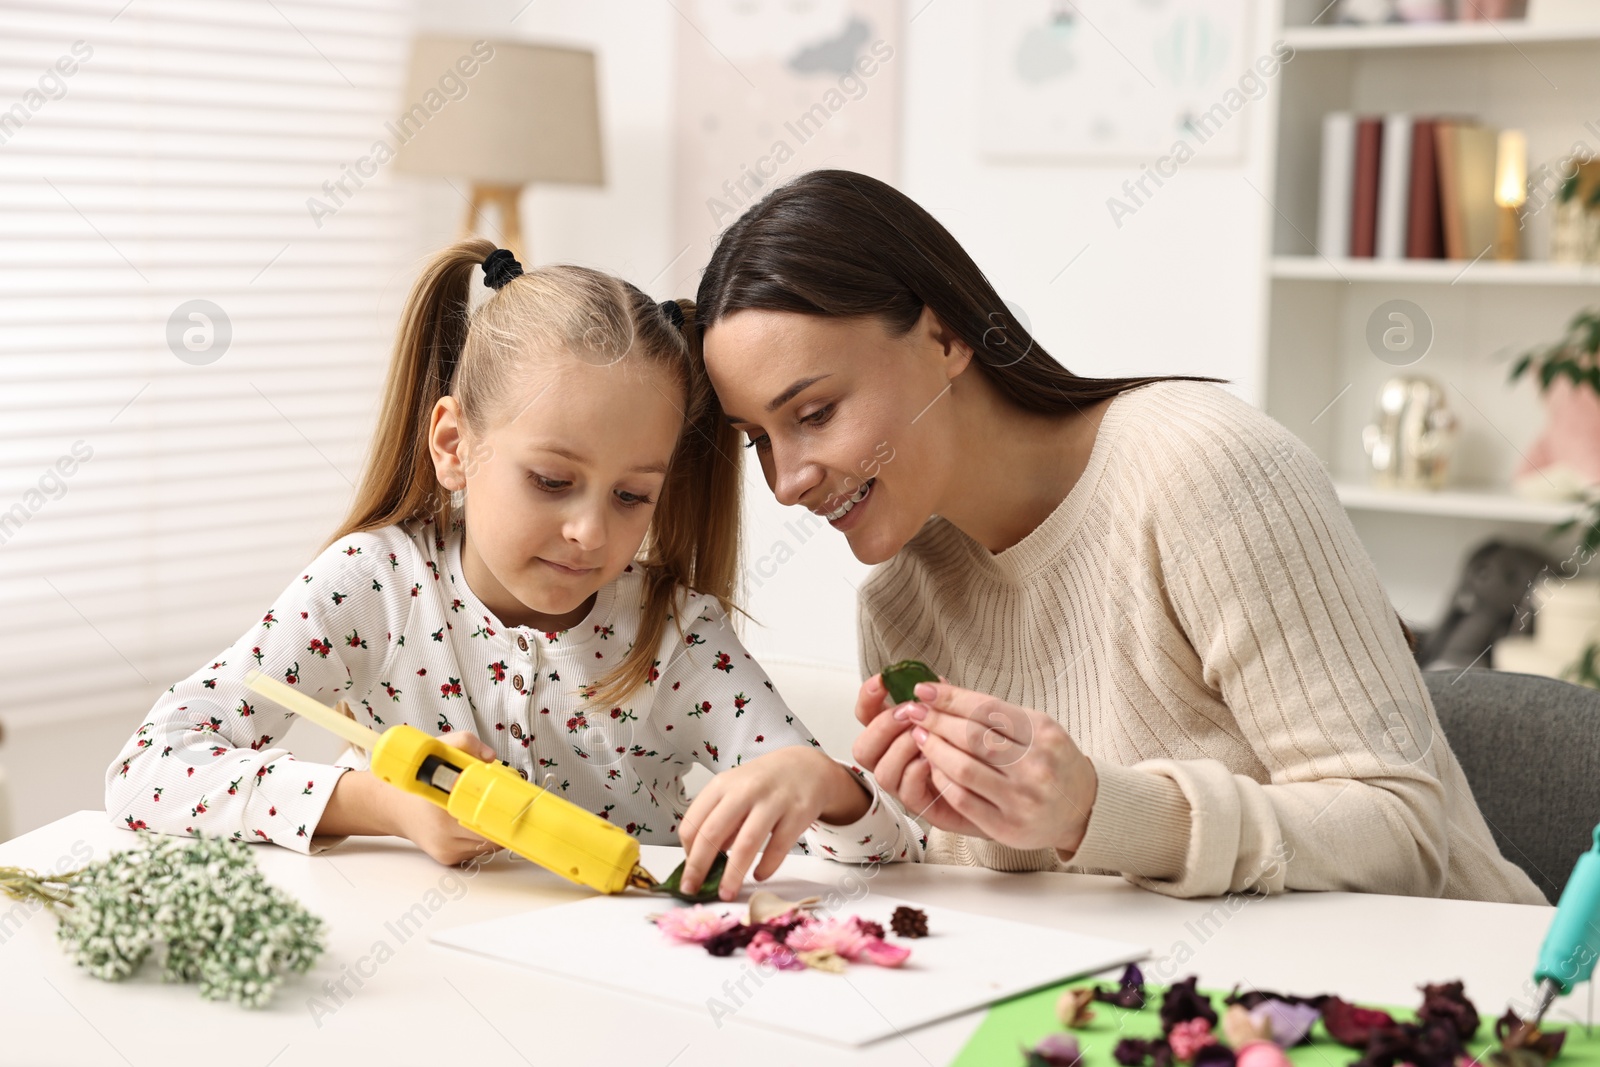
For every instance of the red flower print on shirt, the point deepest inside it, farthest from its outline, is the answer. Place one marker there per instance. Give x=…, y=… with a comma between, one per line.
x=739, y=701
x=724, y=663
x=136, y=824
x=321, y=646
x=355, y=640
x=292, y=675
x=244, y=709
x=255, y=653
x=711, y=750
x=393, y=693
x=497, y=671
x=451, y=689
x=307, y=790
x=268, y=619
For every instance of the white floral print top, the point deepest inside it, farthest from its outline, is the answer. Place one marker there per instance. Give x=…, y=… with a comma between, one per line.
x=385, y=621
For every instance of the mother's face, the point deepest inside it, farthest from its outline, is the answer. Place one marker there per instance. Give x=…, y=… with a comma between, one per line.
x=841, y=411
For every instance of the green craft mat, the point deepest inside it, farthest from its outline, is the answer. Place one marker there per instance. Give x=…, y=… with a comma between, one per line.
x=1014, y=1025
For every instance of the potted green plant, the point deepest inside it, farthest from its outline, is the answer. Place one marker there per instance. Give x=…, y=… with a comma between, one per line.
x=1574, y=359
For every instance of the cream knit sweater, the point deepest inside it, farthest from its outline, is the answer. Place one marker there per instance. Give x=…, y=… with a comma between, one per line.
x=1200, y=616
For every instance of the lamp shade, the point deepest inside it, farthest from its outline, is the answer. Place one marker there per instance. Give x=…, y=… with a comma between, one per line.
x=500, y=112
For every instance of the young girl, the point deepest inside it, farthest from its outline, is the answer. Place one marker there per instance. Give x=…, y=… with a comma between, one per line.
x=538, y=567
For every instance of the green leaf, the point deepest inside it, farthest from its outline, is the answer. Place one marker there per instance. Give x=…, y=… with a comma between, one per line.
x=901, y=679
x=1521, y=366
x=708, y=887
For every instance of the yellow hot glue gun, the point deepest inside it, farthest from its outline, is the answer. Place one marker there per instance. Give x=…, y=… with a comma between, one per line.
x=490, y=799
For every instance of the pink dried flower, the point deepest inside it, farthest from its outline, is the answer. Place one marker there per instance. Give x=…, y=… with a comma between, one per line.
x=1189, y=1037
x=843, y=936
x=884, y=954
x=764, y=948
x=694, y=925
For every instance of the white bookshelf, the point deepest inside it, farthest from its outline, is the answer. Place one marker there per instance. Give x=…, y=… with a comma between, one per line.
x=1488, y=504
x=1318, y=376
x=1435, y=35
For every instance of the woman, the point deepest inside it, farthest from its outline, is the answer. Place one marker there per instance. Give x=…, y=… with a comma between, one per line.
x=1163, y=651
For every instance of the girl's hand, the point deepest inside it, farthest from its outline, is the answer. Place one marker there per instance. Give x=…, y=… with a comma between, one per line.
x=889, y=749
x=1010, y=772
x=764, y=806
x=435, y=830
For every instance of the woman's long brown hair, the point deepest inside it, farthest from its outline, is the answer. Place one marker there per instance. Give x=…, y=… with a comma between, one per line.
x=840, y=244
x=484, y=356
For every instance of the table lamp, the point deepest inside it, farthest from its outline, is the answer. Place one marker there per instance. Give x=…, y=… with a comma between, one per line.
x=526, y=113
x=1510, y=192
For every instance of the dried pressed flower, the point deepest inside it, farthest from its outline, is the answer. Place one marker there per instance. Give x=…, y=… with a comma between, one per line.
x=695, y=925
x=1241, y=1027
x=1073, y=1007
x=1214, y=1055
x=1136, y=1052
x=1350, y=1025
x=909, y=922
x=1129, y=992
x=1189, y=1037
x=1260, y=1054
x=1522, y=1044
x=1054, y=1050
x=766, y=906
x=822, y=959
x=1183, y=1002
x=222, y=923
x=1447, y=1002
x=1286, y=1024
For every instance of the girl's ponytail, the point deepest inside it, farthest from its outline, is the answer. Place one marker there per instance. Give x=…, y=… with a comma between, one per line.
x=399, y=482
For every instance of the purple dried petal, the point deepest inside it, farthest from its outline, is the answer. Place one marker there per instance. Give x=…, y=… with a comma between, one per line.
x=1447, y=1003
x=1287, y=1024
x=1214, y=1056
x=1183, y=1002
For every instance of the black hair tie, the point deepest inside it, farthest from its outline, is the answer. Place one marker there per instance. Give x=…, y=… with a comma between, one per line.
x=500, y=267
x=673, y=312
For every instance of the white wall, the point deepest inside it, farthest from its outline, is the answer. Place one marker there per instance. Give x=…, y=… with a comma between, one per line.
x=1179, y=288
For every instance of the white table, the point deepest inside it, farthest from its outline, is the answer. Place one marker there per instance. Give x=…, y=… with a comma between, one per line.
x=433, y=1005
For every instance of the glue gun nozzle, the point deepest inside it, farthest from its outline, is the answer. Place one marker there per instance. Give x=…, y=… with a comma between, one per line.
x=642, y=879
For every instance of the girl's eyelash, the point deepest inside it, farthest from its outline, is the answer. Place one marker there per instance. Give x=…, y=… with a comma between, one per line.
x=551, y=485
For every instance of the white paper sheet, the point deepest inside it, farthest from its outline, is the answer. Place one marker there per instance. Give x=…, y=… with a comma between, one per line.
x=968, y=961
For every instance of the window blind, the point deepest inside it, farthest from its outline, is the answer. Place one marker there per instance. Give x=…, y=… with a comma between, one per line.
x=189, y=356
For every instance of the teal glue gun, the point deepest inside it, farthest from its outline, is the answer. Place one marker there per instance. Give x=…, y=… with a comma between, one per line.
x=1573, y=943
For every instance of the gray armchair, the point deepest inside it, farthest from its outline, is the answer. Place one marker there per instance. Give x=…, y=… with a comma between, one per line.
x=1530, y=748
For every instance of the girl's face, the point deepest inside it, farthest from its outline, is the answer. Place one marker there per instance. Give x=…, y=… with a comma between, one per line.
x=835, y=408
x=561, y=489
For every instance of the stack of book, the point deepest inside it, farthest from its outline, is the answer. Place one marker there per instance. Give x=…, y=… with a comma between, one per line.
x=1403, y=186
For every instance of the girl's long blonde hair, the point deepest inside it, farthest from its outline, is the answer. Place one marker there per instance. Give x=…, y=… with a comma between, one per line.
x=484, y=356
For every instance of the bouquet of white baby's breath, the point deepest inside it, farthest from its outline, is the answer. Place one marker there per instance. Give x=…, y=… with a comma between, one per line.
x=204, y=898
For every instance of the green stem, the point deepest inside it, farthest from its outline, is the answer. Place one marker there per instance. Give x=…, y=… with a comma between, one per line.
x=20, y=883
